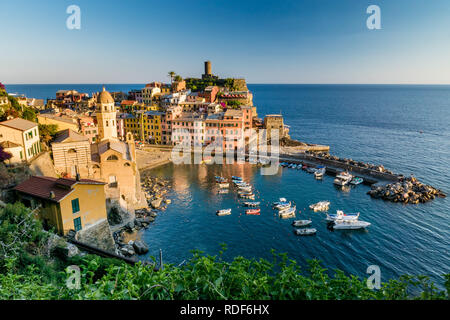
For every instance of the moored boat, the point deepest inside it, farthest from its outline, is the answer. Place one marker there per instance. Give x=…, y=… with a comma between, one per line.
x=320, y=172
x=320, y=206
x=236, y=178
x=255, y=212
x=247, y=196
x=340, y=215
x=343, y=178
x=223, y=212
x=251, y=204
x=356, y=180
x=306, y=232
x=350, y=225
x=287, y=213
x=301, y=223
x=223, y=191
x=283, y=206
x=224, y=185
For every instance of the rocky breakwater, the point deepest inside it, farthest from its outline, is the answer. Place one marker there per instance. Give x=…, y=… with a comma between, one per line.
x=360, y=164
x=156, y=191
x=408, y=190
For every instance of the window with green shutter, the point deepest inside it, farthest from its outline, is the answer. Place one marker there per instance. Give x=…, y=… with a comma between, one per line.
x=77, y=224
x=75, y=205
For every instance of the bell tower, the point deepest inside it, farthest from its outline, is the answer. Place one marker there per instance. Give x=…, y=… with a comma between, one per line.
x=106, y=116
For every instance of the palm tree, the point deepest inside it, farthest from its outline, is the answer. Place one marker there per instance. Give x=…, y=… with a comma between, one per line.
x=171, y=74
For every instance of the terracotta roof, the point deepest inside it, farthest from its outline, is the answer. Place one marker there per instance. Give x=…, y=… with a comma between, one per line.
x=41, y=187
x=69, y=136
x=127, y=102
x=19, y=124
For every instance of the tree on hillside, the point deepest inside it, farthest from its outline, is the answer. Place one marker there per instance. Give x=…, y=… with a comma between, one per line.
x=47, y=132
x=29, y=114
x=171, y=74
x=178, y=78
x=2, y=87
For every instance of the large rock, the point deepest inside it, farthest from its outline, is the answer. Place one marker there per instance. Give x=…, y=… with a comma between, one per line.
x=156, y=203
x=140, y=247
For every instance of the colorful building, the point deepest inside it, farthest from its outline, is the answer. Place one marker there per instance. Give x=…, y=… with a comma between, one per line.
x=23, y=133
x=65, y=204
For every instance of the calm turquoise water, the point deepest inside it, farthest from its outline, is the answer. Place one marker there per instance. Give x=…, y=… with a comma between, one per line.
x=405, y=128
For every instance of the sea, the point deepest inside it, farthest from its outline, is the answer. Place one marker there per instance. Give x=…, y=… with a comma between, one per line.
x=406, y=128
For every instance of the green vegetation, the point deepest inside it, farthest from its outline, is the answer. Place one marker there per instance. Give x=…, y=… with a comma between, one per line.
x=196, y=84
x=26, y=273
x=47, y=132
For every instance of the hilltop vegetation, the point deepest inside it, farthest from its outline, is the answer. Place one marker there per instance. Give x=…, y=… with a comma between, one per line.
x=28, y=272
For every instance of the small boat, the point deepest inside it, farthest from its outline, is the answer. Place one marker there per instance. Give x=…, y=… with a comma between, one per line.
x=304, y=167
x=320, y=206
x=343, y=179
x=220, y=179
x=255, y=212
x=356, y=180
x=288, y=213
x=340, y=215
x=283, y=206
x=320, y=172
x=247, y=196
x=306, y=232
x=223, y=191
x=251, y=204
x=224, y=185
x=311, y=170
x=280, y=201
x=301, y=223
x=350, y=225
x=236, y=178
x=223, y=212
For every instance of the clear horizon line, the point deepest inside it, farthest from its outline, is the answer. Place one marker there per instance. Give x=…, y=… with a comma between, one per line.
x=249, y=83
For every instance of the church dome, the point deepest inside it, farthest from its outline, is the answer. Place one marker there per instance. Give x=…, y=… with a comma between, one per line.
x=104, y=97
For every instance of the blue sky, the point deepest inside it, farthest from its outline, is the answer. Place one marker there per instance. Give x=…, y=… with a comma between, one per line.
x=313, y=41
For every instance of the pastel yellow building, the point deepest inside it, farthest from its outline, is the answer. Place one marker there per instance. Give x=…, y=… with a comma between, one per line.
x=63, y=122
x=65, y=204
x=145, y=125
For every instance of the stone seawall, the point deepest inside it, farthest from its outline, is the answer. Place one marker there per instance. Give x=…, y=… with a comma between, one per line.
x=339, y=165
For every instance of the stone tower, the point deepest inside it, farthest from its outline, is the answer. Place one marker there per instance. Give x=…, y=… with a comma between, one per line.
x=208, y=69
x=106, y=116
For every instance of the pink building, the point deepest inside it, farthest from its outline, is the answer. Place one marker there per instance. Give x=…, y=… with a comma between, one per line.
x=89, y=128
x=171, y=113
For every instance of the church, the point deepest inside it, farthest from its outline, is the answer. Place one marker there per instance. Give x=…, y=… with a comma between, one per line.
x=108, y=159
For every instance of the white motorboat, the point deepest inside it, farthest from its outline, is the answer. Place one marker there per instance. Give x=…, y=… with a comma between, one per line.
x=320, y=173
x=287, y=213
x=224, y=185
x=242, y=188
x=280, y=201
x=250, y=196
x=223, y=191
x=251, y=204
x=343, y=179
x=350, y=225
x=223, y=212
x=320, y=206
x=301, y=223
x=283, y=206
x=340, y=215
x=306, y=232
